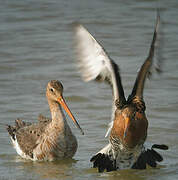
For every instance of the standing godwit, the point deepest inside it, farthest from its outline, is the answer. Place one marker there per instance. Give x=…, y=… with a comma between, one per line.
x=49, y=139
x=128, y=129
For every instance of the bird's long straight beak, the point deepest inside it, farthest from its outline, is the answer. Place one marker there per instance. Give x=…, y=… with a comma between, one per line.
x=64, y=105
x=127, y=121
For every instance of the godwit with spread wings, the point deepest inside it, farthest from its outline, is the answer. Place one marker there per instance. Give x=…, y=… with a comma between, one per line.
x=128, y=130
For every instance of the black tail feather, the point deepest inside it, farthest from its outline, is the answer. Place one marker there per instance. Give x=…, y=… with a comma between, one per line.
x=160, y=146
x=150, y=157
x=11, y=131
x=156, y=155
x=140, y=163
x=102, y=162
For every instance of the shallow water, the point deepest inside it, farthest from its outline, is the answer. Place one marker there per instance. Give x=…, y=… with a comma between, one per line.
x=36, y=46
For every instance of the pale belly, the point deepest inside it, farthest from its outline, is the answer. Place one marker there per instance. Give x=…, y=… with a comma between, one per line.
x=49, y=151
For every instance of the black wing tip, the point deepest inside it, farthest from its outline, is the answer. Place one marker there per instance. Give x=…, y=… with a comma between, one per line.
x=102, y=162
x=149, y=157
x=160, y=146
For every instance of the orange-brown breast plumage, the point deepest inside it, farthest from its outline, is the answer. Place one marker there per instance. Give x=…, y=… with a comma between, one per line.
x=137, y=127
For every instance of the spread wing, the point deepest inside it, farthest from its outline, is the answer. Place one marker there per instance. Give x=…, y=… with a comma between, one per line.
x=95, y=64
x=147, y=65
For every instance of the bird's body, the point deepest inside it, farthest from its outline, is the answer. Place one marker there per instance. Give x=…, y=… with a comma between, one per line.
x=49, y=139
x=128, y=148
x=128, y=129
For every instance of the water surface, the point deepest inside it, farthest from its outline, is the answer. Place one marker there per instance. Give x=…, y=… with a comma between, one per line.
x=36, y=46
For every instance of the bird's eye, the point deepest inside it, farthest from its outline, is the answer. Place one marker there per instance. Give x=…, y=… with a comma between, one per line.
x=51, y=89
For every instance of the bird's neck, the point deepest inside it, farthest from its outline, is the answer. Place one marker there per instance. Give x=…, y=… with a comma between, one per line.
x=57, y=114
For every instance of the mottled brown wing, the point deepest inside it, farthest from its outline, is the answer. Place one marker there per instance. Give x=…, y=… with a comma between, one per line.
x=27, y=137
x=18, y=124
x=42, y=119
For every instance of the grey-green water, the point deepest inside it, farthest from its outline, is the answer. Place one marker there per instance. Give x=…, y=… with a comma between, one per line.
x=36, y=46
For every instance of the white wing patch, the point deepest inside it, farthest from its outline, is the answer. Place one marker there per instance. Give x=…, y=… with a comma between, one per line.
x=93, y=61
x=92, y=57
